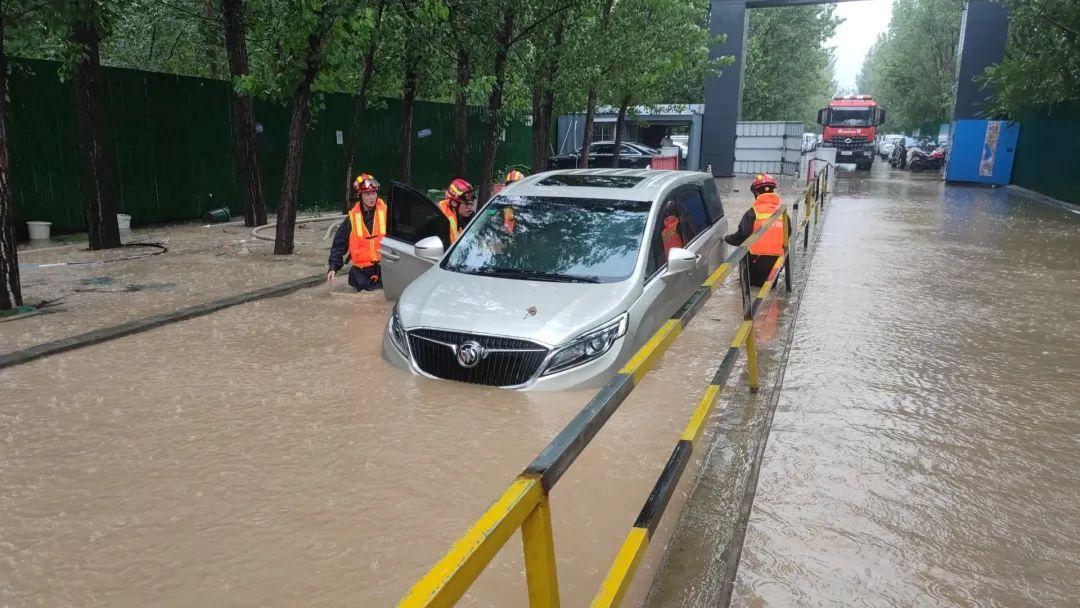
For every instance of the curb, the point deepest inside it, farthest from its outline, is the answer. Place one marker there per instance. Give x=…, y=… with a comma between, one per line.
x=1039, y=197
x=147, y=323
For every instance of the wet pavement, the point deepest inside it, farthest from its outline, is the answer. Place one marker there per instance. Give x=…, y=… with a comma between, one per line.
x=90, y=290
x=925, y=448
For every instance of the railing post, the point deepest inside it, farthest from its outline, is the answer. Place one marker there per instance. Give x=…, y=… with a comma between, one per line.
x=787, y=252
x=748, y=315
x=539, y=544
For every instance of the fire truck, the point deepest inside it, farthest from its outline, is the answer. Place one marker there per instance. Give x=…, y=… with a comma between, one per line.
x=850, y=124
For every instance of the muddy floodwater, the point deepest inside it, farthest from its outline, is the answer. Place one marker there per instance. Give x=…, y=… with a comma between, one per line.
x=926, y=447
x=265, y=455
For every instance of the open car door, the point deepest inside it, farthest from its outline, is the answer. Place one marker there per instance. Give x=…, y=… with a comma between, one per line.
x=413, y=217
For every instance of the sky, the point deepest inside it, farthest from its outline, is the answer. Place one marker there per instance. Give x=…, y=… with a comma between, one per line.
x=863, y=21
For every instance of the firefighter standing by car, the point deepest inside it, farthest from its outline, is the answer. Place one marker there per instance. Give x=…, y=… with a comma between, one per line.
x=458, y=206
x=765, y=251
x=360, y=235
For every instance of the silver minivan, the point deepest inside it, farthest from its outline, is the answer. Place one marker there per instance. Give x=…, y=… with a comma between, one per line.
x=555, y=283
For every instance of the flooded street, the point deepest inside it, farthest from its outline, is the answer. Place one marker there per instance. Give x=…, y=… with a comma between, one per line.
x=926, y=446
x=924, y=451
x=266, y=455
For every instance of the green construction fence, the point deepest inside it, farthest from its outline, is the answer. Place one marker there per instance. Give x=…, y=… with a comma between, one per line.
x=172, y=136
x=1047, y=153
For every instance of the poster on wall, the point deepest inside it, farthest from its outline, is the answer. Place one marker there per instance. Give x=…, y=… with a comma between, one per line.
x=990, y=142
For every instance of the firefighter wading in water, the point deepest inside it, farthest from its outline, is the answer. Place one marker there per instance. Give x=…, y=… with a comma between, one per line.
x=360, y=235
x=765, y=250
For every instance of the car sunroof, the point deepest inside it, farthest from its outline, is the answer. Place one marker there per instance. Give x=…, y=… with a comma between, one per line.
x=592, y=181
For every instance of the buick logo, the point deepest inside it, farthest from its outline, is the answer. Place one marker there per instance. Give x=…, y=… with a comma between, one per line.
x=847, y=141
x=469, y=354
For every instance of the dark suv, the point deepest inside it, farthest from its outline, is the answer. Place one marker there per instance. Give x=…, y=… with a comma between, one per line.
x=601, y=153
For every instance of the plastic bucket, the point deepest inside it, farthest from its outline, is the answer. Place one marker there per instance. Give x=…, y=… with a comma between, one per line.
x=216, y=216
x=123, y=222
x=39, y=230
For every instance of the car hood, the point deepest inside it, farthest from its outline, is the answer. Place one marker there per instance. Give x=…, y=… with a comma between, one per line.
x=543, y=311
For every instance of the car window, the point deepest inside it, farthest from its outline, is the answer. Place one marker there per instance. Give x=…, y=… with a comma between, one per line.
x=413, y=216
x=714, y=207
x=673, y=227
x=552, y=238
x=657, y=259
x=601, y=149
x=692, y=203
x=625, y=149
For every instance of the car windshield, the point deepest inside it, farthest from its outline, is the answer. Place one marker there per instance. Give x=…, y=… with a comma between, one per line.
x=552, y=239
x=849, y=117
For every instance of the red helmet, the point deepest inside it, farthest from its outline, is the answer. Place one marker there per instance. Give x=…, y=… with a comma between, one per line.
x=365, y=183
x=513, y=176
x=459, y=191
x=761, y=182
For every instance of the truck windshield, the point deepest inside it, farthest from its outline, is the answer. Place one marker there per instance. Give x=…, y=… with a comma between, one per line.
x=849, y=117
x=555, y=239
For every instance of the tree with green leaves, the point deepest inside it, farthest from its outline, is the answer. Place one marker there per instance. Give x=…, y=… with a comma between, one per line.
x=248, y=174
x=911, y=69
x=788, y=70
x=1042, y=59
x=14, y=14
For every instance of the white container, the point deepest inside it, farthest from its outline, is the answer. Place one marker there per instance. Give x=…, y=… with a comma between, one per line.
x=123, y=222
x=39, y=231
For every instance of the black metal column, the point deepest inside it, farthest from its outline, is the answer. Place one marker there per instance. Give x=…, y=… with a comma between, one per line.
x=983, y=33
x=723, y=95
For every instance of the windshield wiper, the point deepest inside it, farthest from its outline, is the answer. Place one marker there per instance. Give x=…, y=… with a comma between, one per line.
x=537, y=275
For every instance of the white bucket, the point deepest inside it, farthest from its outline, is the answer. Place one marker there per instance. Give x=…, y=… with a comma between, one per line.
x=123, y=222
x=39, y=231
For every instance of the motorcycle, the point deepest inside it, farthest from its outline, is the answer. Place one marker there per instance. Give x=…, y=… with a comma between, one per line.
x=921, y=161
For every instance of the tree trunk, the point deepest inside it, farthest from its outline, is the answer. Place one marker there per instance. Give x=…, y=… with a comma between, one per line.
x=10, y=288
x=539, y=129
x=495, y=105
x=590, y=108
x=619, y=132
x=247, y=161
x=461, y=111
x=544, y=101
x=586, y=137
x=408, y=99
x=360, y=105
x=298, y=128
x=95, y=154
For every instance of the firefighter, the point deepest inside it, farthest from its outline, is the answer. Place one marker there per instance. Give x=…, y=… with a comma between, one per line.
x=765, y=251
x=513, y=176
x=458, y=205
x=360, y=235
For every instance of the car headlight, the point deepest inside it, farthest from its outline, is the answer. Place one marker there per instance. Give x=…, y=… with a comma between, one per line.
x=397, y=333
x=588, y=346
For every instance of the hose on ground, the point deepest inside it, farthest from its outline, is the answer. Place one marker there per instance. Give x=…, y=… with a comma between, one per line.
x=256, y=231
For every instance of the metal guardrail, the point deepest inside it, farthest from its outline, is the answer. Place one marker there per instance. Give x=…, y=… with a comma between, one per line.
x=524, y=504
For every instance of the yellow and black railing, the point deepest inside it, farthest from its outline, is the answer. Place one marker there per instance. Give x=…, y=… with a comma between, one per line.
x=524, y=504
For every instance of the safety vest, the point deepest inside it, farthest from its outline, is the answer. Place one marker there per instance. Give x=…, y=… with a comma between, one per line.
x=364, y=246
x=670, y=233
x=772, y=242
x=444, y=206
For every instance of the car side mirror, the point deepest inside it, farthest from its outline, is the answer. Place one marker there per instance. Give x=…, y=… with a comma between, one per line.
x=881, y=117
x=679, y=261
x=430, y=248
x=821, y=117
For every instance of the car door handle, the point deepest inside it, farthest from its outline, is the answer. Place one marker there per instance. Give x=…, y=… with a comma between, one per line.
x=389, y=255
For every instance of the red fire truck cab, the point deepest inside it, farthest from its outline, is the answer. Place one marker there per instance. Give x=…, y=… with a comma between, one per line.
x=850, y=124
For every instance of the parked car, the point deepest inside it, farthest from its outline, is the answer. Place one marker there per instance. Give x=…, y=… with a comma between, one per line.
x=563, y=293
x=601, y=153
x=809, y=142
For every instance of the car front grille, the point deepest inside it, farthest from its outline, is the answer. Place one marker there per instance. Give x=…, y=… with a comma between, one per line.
x=503, y=361
x=857, y=142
